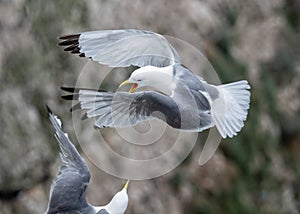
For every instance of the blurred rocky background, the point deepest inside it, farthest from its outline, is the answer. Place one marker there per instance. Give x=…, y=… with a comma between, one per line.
x=256, y=172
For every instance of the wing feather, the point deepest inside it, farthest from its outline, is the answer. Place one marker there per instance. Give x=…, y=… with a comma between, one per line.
x=122, y=48
x=126, y=109
x=68, y=189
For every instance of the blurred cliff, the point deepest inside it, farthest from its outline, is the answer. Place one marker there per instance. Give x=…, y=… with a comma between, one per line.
x=257, y=171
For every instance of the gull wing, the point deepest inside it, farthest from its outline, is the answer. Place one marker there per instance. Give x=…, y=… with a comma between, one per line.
x=123, y=109
x=68, y=190
x=103, y=211
x=122, y=48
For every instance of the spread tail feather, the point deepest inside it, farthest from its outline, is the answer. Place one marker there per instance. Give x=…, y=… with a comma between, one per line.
x=230, y=110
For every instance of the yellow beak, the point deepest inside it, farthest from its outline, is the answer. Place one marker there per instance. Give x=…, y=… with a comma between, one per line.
x=133, y=87
x=126, y=185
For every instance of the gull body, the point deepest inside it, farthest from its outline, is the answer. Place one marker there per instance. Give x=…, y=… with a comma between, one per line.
x=184, y=100
x=68, y=190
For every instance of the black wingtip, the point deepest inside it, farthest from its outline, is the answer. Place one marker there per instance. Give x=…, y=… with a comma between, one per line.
x=69, y=36
x=71, y=47
x=70, y=43
x=76, y=90
x=68, y=89
x=48, y=109
x=70, y=97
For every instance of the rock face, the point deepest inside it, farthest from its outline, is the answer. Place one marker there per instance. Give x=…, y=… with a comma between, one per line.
x=257, y=171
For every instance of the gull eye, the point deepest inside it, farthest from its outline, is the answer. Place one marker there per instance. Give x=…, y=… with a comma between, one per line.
x=139, y=80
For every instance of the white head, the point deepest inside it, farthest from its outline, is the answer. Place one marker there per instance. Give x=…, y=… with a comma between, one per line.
x=119, y=202
x=157, y=77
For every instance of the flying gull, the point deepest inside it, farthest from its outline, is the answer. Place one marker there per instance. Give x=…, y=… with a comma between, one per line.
x=68, y=190
x=182, y=99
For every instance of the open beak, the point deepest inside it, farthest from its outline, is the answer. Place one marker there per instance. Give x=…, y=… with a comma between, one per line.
x=126, y=185
x=133, y=87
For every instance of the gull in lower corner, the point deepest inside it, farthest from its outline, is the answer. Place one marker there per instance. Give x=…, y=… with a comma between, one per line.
x=68, y=190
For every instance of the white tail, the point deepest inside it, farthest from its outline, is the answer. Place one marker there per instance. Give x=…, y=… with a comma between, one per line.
x=230, y=109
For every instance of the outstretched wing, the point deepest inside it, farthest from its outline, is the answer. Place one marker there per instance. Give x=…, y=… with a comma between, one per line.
x=68, y=189
x=122, y=48
x=123, y=109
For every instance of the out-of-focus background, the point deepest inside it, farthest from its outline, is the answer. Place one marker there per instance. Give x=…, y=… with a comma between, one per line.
x=256, y=172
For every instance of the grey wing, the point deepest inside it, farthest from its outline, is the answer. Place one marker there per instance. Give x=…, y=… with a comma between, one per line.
x=123, y=109
x=195, y=108
x=68, y=189
x=122, y=48
x=103, y=211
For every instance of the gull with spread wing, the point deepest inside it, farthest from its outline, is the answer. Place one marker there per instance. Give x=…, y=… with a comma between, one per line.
x=182, y=99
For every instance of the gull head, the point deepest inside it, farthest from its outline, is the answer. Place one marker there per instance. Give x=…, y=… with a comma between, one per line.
x=119, y=202
x=159, y=78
